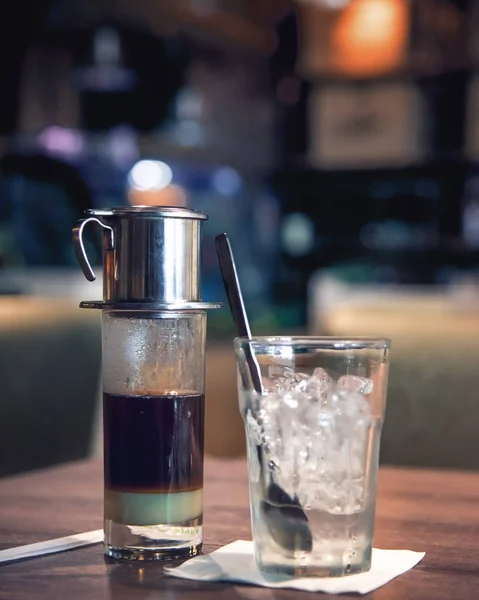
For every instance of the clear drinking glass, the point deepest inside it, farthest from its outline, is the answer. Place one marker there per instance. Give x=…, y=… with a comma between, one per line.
x=313, y=420
x=153, y=421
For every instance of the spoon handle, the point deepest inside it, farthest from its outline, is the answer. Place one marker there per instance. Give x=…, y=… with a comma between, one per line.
x=236, y=302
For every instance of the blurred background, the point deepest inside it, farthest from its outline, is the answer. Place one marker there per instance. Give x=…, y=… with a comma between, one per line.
x=335, y=141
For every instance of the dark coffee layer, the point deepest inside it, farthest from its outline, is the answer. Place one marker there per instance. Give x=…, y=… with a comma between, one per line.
x=153, y=444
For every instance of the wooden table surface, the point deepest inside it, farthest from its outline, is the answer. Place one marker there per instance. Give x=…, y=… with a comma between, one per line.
x=432, y=511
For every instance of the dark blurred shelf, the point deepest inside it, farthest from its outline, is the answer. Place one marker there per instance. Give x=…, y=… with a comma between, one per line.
x=248, y=25
x=413, y=72
x=162, y=145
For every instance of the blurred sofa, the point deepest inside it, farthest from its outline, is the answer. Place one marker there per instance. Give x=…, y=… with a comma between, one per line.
x=50, y=353
x=224, y=430
x=432, y=416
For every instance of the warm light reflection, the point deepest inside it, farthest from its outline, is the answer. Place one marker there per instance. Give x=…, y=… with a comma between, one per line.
x=171, y=195
x=150, y=175
x=370, y=37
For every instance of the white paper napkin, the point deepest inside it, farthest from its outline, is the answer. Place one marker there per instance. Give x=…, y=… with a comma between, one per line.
x=235, y=562
x=50, y=546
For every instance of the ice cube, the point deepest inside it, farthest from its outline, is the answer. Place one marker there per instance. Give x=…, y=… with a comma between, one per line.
x=291, y=381
x=330, y=399
x=334, y=435
x=279, y=372
x=253, y=428
x=315, y=385
x=291, y=400
x=314, y=418
x=299, y=377
x=252, y=441
x=354, y=383
x=350, y=404
x=322, y=379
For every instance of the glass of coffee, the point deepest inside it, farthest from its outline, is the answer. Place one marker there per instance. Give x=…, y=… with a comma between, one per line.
x=153, y=420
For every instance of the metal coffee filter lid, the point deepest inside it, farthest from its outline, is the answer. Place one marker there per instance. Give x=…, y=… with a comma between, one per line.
x=151, y=256
x=148, y=212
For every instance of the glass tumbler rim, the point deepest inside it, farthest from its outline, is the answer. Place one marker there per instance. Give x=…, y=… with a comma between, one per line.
x=314, y=341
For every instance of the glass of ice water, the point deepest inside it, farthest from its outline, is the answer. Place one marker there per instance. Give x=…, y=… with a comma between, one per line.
x=313, y=409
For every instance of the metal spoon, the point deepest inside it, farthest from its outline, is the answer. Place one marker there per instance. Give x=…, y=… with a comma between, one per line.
x=284, y=516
